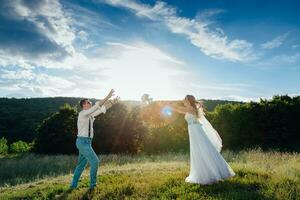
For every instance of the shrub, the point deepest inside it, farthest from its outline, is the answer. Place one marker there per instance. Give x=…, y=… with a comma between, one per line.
x=20, y=147
x=3, y=146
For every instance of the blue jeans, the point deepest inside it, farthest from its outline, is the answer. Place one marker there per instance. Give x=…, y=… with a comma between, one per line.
x=86, y=154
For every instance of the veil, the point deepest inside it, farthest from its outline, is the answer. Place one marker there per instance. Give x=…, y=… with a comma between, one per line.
x=211, y=133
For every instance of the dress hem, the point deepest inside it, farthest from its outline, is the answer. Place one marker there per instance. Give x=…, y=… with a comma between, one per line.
x=212, y=182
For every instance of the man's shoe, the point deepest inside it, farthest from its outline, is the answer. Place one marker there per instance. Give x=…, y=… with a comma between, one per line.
x=70, y=189
x=91, y=189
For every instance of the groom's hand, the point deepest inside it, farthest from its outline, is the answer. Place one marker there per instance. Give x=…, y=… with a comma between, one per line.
x=111, y=93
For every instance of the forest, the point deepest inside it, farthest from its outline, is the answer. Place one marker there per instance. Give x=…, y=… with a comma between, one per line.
x=131, y=127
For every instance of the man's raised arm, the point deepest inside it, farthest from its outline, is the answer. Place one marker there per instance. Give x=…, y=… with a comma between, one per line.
x=107, y=105
x=100, y=110
x=98, y=104
x=110, y=94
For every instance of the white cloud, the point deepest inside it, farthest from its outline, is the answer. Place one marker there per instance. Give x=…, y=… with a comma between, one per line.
x=240, y=98
x=51, y=20
x=227, y=91
x=131, y=68
x=82, y=35
x=7, y=59
x=248, y=99
x=211, y=42
x=207, y=16
x=287, y=58
x=276, y=42
x=54, y=31
x=237, y=87
x=43, y=33
x=281, y=60
x=16, y=75
x=28, y=83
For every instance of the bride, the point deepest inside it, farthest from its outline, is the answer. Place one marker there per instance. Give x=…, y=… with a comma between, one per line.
x=206, y=163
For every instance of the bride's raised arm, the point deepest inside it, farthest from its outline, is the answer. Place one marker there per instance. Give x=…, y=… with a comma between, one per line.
x=180, y=109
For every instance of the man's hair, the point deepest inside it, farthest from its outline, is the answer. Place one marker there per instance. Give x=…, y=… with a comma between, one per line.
x=82, y=101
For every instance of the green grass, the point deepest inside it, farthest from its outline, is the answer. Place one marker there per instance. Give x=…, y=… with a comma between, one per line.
x=259, y=175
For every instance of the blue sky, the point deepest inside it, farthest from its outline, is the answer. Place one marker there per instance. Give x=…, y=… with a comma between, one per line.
x=234, y=50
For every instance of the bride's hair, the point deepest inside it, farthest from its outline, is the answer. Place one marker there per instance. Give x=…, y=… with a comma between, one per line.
x=197, y=105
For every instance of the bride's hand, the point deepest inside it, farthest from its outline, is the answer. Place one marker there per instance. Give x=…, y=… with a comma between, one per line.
x=116, y=100
x=171, y=105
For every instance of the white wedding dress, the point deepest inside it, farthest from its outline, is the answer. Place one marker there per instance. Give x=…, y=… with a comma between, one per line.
x=206, y=163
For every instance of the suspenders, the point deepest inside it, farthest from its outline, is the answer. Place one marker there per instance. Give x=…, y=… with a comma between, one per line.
x=89, y=127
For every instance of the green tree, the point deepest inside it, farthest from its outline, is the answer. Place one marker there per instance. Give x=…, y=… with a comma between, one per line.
x=57, y=134
x=173, y=137
x=119, y=131
x=269, y=124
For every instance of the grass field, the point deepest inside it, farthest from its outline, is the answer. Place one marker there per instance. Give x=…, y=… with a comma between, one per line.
x=259, y=175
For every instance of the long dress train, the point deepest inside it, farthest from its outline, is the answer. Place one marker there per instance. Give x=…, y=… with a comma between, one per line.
x=206, y=163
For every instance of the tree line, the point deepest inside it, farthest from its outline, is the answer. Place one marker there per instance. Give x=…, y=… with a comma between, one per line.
x=19, y=118
x=129, y=127
x=268, y=124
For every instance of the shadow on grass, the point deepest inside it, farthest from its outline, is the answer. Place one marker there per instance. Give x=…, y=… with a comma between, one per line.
x=243, y=186
x=83, y=194
x=120, y=192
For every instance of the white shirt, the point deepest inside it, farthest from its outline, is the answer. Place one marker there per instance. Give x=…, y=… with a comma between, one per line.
x=83, y=120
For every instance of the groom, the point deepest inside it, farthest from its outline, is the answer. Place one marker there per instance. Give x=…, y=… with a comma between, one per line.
x=85, y=134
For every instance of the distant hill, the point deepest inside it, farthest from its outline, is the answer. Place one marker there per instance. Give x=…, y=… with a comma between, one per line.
x=19, y=118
